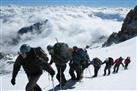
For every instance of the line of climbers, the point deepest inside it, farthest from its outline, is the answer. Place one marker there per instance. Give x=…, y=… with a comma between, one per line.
x=35, y=60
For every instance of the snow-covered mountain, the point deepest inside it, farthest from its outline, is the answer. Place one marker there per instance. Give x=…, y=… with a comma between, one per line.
x=123, y=80
x=128, y=29
x=76, y=25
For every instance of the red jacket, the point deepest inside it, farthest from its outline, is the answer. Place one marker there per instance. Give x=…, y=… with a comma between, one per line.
x=117, y=62
x=127, y=61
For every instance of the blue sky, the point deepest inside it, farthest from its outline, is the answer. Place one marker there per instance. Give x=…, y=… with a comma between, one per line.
x=94, y=3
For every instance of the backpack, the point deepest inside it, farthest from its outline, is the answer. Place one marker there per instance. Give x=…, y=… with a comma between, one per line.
x=118, y=61
x=127, y=61
x=84, y=57
x=62, y=51
x=75, y=59
x=40, y=54
x=111, y=60
x=96, y=62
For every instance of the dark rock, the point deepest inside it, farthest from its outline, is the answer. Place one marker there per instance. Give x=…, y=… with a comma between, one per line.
x=128, y=29
x=33, y=28
x=1, y=55
x=100, y=39
x=113, y=37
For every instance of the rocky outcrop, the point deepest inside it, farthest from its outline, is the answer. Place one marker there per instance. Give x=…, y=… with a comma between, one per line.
x=1, y=55
x=35, y=28
x=128, y=30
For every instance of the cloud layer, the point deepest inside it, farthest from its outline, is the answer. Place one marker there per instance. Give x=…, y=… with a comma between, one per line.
x=77, y=25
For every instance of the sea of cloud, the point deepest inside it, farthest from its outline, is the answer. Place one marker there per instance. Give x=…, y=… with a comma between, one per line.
x=75, y=25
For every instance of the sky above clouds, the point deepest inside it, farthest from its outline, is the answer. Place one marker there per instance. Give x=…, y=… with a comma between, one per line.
x=94, y=3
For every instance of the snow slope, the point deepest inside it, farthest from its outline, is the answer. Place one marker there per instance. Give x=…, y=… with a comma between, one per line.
x=124, y=80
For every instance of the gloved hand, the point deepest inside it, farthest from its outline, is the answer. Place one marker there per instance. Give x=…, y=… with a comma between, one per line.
x=52, y=73
x=13, y=81
x=52, y=76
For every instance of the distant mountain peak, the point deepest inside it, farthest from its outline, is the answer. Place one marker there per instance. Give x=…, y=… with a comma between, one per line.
x=128, y=30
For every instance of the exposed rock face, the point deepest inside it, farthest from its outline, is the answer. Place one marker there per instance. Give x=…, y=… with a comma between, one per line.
x=36, y=28
x=128, y=30
x=33, y=28
x=1, y=55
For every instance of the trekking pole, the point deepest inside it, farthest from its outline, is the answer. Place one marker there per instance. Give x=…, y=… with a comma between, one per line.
x=48, y=77
x=84, y=72
x=100, y=70
x=60, y=79
x=89, y=72
x=53, y=83
x=57, y=40
x=48, y=81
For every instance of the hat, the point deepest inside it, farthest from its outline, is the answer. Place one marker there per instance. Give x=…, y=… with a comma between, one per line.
x=75, y=47
x=25, y=48
x=49, y=47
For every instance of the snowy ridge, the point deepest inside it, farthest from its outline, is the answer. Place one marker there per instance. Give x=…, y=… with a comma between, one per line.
x=123, y=80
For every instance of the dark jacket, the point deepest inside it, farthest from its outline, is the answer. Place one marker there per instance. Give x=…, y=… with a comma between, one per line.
x=127, y=61
x=32, y=64
x=96, y=62
x=108, y=62
x=57, y=60
x=76, y=59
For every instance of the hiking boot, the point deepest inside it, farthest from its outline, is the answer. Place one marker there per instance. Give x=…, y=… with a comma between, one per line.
x=79, y=78
x=108, y=74
x=62, y=84
x=73, y=79
x=94, y=76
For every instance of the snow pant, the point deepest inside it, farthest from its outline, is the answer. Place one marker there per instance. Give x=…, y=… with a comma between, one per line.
x=32, y=84
x=78, y=70
x=85, y=65
x=107, y=68
x=116, y=68
x=96, y=69
x=60, y=75
x=125, y=67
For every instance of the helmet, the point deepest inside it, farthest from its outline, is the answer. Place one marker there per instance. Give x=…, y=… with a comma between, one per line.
x=25, y=48
x=87, y=46
x=120, y=58
x=107, y=59
x=75, y=47
x=49, y=47
x=128, y=57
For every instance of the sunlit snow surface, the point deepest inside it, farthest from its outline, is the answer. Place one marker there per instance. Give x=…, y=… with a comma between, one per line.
x=123, y=80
